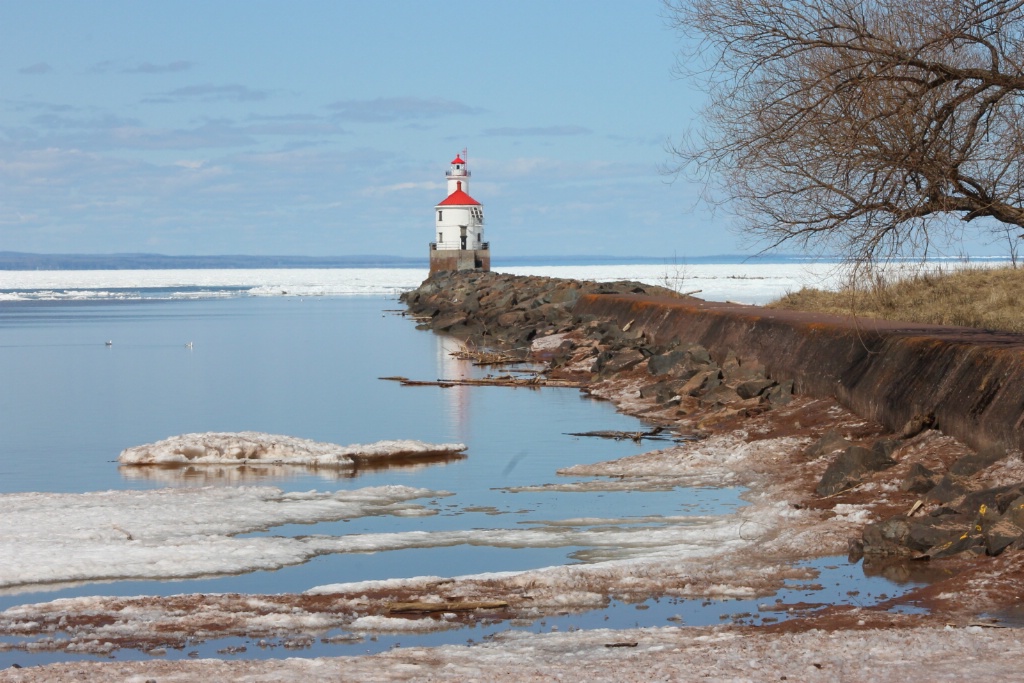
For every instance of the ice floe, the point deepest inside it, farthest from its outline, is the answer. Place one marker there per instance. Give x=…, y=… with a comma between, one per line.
x=173, y=533
x=242, y=448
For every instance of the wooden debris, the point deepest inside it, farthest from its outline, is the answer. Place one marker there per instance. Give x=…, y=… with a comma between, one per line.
x=488, y=357
x=503, y=381
x=652, y=435
x=447, y=606
x=623, y=644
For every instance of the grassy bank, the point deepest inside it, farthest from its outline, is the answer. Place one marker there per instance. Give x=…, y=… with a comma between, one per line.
x=988, y=298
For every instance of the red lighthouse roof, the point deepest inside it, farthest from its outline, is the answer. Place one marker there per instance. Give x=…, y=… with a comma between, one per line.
x=458, y=159
x=459, y=198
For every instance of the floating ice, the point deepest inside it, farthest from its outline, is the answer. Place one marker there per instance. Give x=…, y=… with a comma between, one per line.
x=173, y=533
x=241, y=448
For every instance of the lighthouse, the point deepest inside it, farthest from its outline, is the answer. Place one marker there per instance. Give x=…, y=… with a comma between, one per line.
x=459, y=226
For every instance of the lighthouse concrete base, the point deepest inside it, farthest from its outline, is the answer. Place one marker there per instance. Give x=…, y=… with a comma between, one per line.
x=459, y=259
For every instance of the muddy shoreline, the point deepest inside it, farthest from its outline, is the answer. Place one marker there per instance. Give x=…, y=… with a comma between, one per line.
x=741, y=421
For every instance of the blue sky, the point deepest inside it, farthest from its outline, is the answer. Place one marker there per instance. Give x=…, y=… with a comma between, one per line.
x=325, y=128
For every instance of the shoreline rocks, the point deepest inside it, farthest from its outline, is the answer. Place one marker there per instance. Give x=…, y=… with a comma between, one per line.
x=955, y=508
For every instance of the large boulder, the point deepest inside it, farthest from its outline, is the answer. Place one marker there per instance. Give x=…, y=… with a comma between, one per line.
x=850, y=467
x=753, y=387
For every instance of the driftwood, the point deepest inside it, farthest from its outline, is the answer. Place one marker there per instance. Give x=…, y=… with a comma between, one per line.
x=503, y=381
x=480, y=358
x=447, y=606
x=484, y=357
x=652, y=435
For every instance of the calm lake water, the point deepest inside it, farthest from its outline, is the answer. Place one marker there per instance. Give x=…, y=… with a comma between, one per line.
x=306, y=367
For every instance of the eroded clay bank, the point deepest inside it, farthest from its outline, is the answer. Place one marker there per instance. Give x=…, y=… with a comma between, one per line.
x=969, y=383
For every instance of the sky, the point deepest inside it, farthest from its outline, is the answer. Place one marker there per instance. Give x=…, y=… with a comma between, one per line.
x=326, y=128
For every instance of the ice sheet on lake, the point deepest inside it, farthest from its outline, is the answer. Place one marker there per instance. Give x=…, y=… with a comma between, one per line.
x=752, y=282
x=180, y=533
x=173, y=533
x=241, y=448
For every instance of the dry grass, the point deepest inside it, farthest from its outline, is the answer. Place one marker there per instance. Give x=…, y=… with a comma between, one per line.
x=988, y=298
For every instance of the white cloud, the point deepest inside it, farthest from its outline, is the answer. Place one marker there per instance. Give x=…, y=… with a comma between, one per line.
x=538, y=131
x=149, y=68
x=210, y=93
x=36, y=69
x=376, y=190
x=388, y=109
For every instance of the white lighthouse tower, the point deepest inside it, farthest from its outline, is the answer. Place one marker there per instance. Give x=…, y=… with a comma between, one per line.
x=459, y=226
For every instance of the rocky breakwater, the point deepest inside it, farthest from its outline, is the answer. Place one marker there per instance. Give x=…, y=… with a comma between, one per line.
x=532, y=318
x=936, y=461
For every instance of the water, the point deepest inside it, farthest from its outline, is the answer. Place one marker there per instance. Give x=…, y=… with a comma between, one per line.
x=224, y=351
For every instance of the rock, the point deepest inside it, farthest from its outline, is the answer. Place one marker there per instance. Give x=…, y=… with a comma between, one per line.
x=884, y=448
x=1000, y=535
x=919, y=479
x=930, y=532
x=699, y=355
x=781, y=393
x=676, y=363
x=446, y=321
x=735, y=369
x=651, y=390
x=687, y=405
x=947, y=490
x=667, y=363
x=973, y=463
x=731, y=364
x=998, y=498
x=662, y=392
x=831, y=442
x=969, y=541
x=887, y=537
x=1015, y=512
x=610, y=362
x=753, y=387
x=850, y=467
x=721, y=394
x=916, y=425
x=565, y=296
x=702, y=381
x=854, y=549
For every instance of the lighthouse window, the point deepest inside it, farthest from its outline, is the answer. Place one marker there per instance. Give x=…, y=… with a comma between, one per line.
x=439, y=216
x=440, y=237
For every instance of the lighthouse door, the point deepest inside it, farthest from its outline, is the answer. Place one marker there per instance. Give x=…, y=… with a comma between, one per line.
x=463, y=230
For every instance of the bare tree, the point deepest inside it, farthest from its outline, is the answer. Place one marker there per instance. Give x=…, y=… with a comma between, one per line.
x=866, y=127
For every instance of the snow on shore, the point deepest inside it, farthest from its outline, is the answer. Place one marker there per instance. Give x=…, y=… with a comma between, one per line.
x=241, y=448
x=661, y=654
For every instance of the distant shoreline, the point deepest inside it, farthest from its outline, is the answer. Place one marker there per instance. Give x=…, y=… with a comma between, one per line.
x=14, y=260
